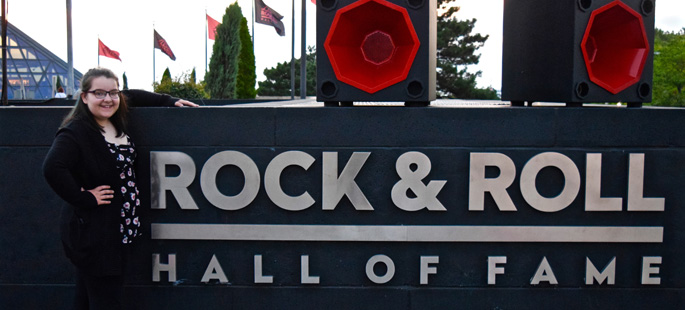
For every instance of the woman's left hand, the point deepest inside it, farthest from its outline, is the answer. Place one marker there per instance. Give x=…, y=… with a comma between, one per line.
x=185, y=103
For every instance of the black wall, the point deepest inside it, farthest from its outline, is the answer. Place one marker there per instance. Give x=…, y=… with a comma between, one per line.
x=34, y=274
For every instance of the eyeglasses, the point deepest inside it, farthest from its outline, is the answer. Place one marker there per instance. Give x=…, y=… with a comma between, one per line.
x=100, y=94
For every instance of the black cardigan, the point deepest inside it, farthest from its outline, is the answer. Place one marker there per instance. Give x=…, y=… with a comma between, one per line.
x=79, y=158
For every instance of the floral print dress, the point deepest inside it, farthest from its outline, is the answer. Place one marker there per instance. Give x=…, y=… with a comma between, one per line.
x=125, y=155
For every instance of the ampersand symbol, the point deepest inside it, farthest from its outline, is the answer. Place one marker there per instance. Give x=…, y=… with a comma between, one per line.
x=411, y=179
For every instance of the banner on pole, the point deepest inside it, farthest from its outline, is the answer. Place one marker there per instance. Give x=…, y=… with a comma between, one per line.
x=211, y=27
x=267, y=16
x=103, y=50
x=161, y=44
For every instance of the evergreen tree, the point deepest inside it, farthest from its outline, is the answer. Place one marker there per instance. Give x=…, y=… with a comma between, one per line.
x=277, y=81
x=166, y=76
x=125, y=81
x=457, y=47
x=223, y=66
x=192, y=78
x=247, y=76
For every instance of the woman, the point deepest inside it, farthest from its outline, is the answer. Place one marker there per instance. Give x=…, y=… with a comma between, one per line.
x=60, y=93
x=91, y=165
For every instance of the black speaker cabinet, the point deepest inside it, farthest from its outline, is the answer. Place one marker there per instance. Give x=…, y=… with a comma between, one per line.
x=376, y=50
x=576, y=51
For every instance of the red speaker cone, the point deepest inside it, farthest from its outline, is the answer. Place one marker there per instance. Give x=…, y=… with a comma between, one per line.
x=371, y=44
x=615, y=47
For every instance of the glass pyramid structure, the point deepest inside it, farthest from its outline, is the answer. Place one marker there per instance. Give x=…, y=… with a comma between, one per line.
x=32, y=70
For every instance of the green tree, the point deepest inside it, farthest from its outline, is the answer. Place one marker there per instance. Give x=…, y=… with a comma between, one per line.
x=247, y=71
x=193, y=75
x=166, y=76
x=277, y=81
x=456, y=48
x=182, y=86
x=58, y=83
x=669, y=68
x=223, y=66
x=125, y=81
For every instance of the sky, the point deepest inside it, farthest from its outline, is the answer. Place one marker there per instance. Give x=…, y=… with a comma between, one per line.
x=127, y=26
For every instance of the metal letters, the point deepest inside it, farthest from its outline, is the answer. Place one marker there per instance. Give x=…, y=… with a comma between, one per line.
x=426, y=195
x=334, y=185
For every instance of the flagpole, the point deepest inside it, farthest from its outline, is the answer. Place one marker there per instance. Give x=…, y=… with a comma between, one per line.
x=4, y=52
x=70, y=55
x=253, y=17
x=153, y=57
x=303, y=54
x=292, y=59
x=98, y=50
x=206, y=41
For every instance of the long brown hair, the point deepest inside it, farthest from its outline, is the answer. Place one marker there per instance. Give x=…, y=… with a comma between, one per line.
x=81, y=112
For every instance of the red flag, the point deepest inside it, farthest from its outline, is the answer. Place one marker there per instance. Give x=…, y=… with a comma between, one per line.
x=161, y=44
x=211, y=27
x=267, y=16
x=103, y=50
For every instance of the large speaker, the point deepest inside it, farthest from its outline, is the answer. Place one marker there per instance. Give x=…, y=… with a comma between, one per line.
x=376, y=50
x=576, y=51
